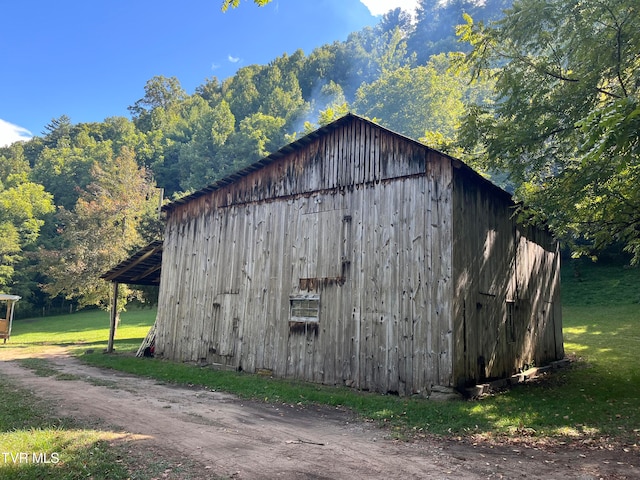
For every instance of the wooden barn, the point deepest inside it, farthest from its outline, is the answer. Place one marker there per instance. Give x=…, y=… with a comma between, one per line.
x=358, y=256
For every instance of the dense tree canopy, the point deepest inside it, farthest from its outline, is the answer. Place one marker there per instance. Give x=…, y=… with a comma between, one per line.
x=554, y=113
x=415, y=100
x=566, y=120
x=23, y=208
x=101, y=231
x=81, y=197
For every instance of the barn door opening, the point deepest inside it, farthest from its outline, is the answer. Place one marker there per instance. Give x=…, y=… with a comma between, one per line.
x=225, y=346
x=487, y=325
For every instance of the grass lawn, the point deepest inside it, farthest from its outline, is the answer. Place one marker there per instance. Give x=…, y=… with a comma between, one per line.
x=63, y=448
x=36, y=444
x=595, y=401
x=85, y=328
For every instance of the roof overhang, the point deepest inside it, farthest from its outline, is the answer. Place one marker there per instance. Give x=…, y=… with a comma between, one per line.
x=12, y=298
x=142, y=268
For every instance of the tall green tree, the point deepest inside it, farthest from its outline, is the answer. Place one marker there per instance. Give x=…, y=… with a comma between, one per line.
x=162, y=115
x=435, y=26
x=199, y=158
x=241, y=91
x=64, y=170
x=413, y=101
x=211, y=91
x=100, y=231
x=23, y=208
x=162, y=96
x=280, y=94
x=566, y=121
x=58, y=131
x=256, y=136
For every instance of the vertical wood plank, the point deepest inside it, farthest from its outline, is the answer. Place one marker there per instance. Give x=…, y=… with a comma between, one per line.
x=406, y=315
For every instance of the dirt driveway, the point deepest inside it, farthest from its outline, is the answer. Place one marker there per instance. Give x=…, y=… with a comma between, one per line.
x=220, y=436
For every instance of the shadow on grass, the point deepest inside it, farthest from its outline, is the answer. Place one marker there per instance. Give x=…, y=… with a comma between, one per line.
x=23, y=326
x=559, y=405
x=37, y=444
x=66, y=454
x=607, y=336
x=52, y=348
x=596, y=397
x=119, y=344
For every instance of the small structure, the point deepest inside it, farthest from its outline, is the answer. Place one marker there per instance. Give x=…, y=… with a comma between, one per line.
x=358, y=256
x=8, y=303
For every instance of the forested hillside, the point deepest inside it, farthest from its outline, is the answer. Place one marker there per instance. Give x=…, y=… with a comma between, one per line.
x=81, y=197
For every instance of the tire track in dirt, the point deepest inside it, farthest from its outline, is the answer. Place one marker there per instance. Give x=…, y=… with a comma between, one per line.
x=229, y=437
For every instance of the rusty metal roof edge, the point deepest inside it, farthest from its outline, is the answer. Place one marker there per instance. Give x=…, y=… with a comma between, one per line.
x=306, y=140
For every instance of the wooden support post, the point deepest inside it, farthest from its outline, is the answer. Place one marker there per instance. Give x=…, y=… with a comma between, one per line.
x=114, y=317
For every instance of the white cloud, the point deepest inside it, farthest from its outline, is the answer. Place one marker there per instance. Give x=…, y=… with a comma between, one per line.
x=380, y=7
x=10, y=133
x=233, y=59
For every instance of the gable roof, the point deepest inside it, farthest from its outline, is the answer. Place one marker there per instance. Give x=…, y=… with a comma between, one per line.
x=143, y=268
x=306, y=140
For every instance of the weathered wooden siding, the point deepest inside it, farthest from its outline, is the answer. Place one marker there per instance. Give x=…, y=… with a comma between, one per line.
x=361, y=217
x=423, y=276
x=507, y=305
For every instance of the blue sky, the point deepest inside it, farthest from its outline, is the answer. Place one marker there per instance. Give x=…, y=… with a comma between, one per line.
x=90, y=59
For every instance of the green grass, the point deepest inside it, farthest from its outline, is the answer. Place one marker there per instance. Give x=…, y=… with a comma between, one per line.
x=608, y=282
x=597, y=399
x=599, y=396
x=28, y=426
x=39, y=366
x=72, y=450
x=89, y=329
x=403, y=415
x=42, y=368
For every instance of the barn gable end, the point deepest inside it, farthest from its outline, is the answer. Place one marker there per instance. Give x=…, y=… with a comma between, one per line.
x=331, y=261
